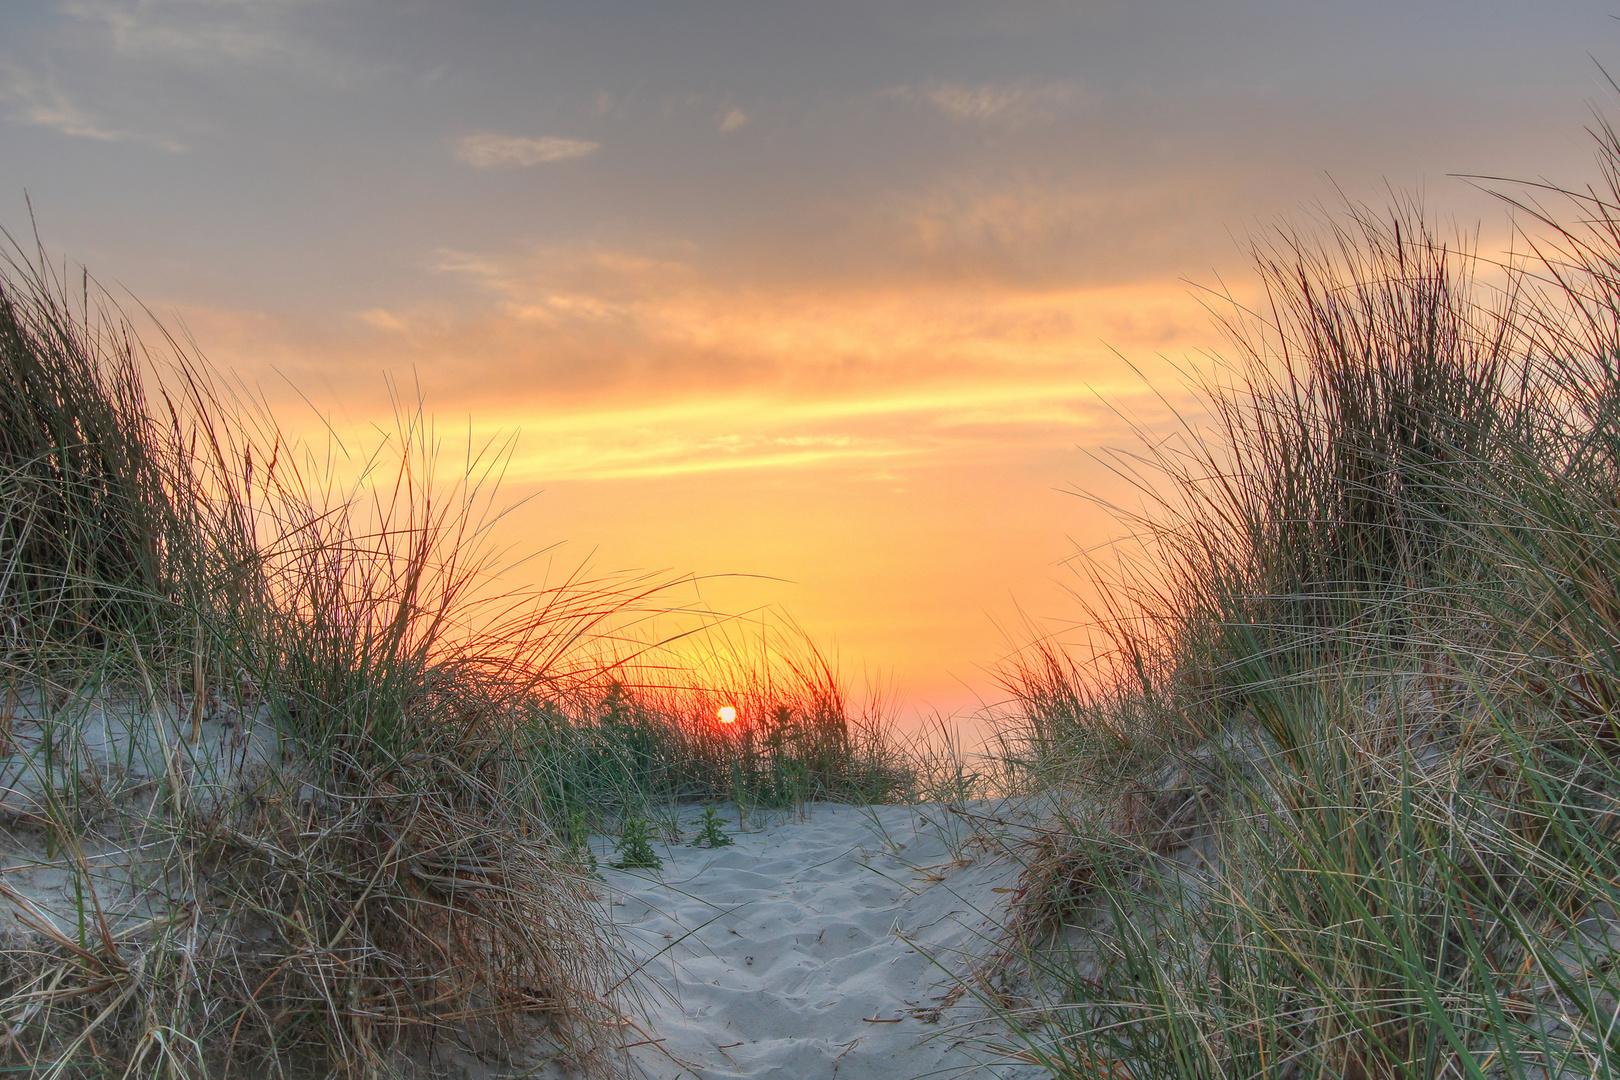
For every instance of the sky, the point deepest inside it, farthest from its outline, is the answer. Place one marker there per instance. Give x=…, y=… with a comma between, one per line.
x=831, y=305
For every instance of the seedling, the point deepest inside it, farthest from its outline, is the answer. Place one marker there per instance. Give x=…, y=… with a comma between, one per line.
x=711, y=835
x=635, y=847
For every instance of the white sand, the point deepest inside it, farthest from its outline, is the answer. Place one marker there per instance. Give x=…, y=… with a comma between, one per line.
x=95, y=756
x=818, y=945
x=117, y=746
x=780, y=956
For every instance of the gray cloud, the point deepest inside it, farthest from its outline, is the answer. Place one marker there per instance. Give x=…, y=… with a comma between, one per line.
x=1003, y=103
x=488, y=150
x=197, y=30
x=31, y=98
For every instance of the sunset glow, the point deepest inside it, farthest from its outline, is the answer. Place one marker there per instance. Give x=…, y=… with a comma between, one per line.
x=831, y=307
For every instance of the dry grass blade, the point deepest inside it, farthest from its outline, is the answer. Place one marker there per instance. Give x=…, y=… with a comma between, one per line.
x=278, y=774
x=1340, y=779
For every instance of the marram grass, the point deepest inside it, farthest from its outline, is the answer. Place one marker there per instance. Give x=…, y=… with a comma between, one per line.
x=292, y=787
x=1341, y=776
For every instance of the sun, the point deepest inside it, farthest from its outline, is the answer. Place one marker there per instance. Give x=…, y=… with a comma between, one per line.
x=727, y=714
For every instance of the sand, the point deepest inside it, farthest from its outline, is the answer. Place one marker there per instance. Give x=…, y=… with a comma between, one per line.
x=102, y=756
x=818, y=945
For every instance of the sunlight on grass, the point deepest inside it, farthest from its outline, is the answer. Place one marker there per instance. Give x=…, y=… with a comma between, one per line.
x=1335, y=791
x=306, y=782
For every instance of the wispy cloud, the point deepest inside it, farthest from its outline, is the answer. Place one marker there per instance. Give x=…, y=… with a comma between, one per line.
x=597, y=452
x=205, y=30
x=597, y=322
x=1002, y=103
x=30, y=98
x=651, y=364
x=382, y=319
x=733, y=120
x=488, y=150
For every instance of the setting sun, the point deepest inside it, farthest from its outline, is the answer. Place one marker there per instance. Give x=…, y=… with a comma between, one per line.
x=478, y=392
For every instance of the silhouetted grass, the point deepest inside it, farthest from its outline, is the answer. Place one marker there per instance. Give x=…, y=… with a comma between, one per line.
x=310, y=778
x=380, y=879
x=1342, y=775
x=788, y=744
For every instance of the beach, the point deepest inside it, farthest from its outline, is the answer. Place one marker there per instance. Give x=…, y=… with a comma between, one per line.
x=820, y=943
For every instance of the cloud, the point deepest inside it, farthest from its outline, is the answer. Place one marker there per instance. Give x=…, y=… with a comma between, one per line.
x=733, y=120
x=642, y=361
x=382, y=319
x=487, y=150
x=222, y=37
x=599, y=450
x=32, y=99
x=198, y=30
x=1003, y=103
x=35, y=101
x=632, y=364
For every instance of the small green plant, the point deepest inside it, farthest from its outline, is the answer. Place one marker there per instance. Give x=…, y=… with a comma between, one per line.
x=634, y=847
x=578, y=838
x=711, y=835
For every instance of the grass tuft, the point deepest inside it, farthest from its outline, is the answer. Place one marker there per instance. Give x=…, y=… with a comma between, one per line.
x=290, y=783
x=1339, y=783
x=267, y=803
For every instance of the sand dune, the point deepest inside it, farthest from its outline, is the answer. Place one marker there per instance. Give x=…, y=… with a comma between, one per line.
x=813, y=947
x=819, y=944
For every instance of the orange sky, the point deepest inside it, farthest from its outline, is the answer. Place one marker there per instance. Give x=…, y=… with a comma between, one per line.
x=905, y=493
x=824, y=304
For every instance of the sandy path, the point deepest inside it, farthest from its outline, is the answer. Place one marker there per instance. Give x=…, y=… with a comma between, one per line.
x=783, y=954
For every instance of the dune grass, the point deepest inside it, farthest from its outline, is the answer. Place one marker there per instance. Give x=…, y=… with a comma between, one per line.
x=292, y=782
x=1341, y=774
x=372, y=883
x=645, y=747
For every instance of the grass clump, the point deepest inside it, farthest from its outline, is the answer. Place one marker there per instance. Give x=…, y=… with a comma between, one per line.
x=1341, y=773
x=84, y=508
x=268, y=804
x=644, y=747
x=289, y=785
